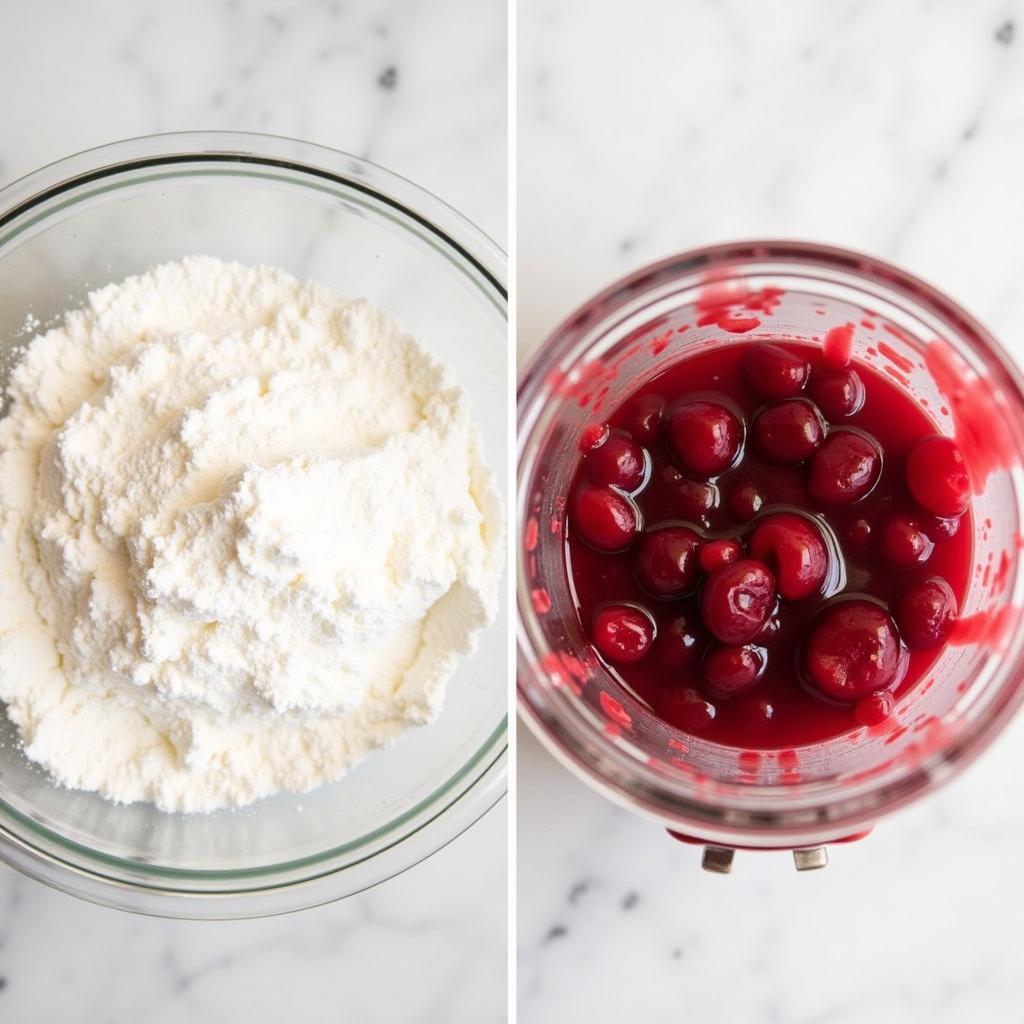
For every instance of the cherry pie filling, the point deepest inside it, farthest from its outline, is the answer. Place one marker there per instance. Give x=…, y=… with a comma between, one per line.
x=767, y=548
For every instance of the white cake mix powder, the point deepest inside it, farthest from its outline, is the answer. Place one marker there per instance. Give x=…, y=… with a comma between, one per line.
x=246, y=533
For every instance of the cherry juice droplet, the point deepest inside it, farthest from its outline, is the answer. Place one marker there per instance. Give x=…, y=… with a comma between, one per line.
x=837, y=348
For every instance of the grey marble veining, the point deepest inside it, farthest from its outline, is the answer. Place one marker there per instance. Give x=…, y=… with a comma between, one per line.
x=897, y=129
x=426, y=946
x=418, y=86
x=893, y=128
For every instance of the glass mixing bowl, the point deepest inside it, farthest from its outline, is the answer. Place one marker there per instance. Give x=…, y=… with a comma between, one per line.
x=114, y=211
x=597, y=726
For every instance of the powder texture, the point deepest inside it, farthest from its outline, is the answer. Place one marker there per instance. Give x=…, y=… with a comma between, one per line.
x=245, y=534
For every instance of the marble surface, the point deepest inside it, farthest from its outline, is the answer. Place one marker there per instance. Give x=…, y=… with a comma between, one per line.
x=419, y=87
x=893, y=128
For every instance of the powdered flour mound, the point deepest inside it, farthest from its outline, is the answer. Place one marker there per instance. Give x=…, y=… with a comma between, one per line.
x=245, y=533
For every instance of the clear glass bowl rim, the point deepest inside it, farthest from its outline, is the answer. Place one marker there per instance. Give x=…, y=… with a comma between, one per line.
x=477, y=786
x=576, y=739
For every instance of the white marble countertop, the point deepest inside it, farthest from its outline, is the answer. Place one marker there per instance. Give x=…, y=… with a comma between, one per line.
x=897, y=129
x=420, y=88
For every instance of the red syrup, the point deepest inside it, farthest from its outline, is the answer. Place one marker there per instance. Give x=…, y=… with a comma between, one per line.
x=835, y=588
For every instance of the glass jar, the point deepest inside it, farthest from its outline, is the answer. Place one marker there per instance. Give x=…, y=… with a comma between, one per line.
x=622, y=338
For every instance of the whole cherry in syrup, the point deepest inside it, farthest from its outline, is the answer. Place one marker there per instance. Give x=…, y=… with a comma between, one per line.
x=767, y=547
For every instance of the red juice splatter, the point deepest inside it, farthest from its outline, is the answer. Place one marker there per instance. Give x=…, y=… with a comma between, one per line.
x=980, y=417
x=722, y=304
x=553, y=667
x=888, y=352
x=896, y=734
x=897, y=376
x=837, y=348
x=987, y=629
x=660, y=343
x=1002, y=574
x=789, y=758
x=737, y=324
x=614, y=710
x=765, y=300
x=530, y=534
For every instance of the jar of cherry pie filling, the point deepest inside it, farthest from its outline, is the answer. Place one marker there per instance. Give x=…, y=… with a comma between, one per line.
x=632, y=524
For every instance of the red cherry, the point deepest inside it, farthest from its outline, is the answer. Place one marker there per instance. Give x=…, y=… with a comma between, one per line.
x=716, y=553
x=605, y=519
x=904, y=543
x=853, y=649
x=705, y=436
x=788, y=431
x=618, y=462
x=593, y=434
x=745, y=500
x=773, y=372
x=874, y=708
x=793, y=547
x=688, y=499
x=666, y=561
x=940, y=529
x=937, y=476
x=736, y=601
x=845, y=468
x=838, y=393
x=623, y=633
x=644, y=418
x=677, y=644
x=686, y=709
x=730, y=670
x=925, y=612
